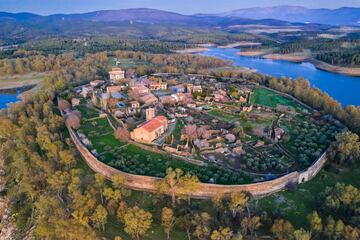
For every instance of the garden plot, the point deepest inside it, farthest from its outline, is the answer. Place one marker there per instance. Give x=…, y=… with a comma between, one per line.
x=308, y=138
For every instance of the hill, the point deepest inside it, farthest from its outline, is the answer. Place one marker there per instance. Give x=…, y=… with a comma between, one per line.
x=340, y=16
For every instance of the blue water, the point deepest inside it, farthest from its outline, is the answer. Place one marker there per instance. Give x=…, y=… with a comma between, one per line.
x=345, y=89
x=6, y=98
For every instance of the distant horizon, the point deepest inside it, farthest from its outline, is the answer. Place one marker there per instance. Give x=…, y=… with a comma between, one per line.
x=186, y=7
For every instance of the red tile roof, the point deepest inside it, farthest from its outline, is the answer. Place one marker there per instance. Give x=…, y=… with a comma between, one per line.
x=154, y=123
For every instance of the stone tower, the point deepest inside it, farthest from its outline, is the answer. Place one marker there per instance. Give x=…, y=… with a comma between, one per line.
x=150, y=113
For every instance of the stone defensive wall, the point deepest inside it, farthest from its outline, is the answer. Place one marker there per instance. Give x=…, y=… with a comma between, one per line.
x=206, y=190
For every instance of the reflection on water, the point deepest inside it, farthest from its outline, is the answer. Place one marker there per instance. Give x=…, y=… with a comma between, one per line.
x=343, y=88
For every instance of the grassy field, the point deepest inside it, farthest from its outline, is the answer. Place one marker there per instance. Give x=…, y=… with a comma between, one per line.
x=223, y=115
x=18, y=80
x=266, y=97
x=295, y=206
x=87, y=113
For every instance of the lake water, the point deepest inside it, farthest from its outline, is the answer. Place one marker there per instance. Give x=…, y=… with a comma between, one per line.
x=345, y=89
x=6, y=98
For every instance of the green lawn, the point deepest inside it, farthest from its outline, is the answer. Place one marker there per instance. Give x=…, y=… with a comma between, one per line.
x=295, y=206
x=223, y=115
x=266, y=97
x=177, y=130
x=87, y=113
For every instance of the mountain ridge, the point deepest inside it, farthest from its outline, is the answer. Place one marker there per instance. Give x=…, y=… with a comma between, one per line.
x=285, y=13
x=338, y=16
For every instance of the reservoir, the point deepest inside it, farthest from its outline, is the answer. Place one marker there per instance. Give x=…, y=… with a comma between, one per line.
x=6, y=98
x=345, y=89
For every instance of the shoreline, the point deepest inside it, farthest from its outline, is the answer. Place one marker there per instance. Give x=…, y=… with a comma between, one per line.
x=354, y=72
x=192, y=50
x=241, y=44
x=8, y=82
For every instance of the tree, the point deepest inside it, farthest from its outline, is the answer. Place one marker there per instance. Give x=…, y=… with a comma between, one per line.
x=190, y=131
x=122, y=133
x=346, y=148
x=72, y=121
x=121, y=211
x=170, y=183
x=244, y=116
x=218, y=199
x=64, y=105
x=20, y=66
x=167, y=220
x=329, y=228
x=202, y=229
x=301, y=234
x=237, y=236
x=351, y=233
x=250, y=224
x=99, y=184
x=221, y=234
x=339, y=229
x=175, y=182
x=137, y=222
x=238, y=201
x=111, y=194
x=66, y=158
x=282, y=229
x=118, y=181
x=99, y=217
x=315, y=223
x=188, y=184
x=186, y=222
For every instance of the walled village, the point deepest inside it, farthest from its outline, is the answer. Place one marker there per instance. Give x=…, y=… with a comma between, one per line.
x=224, y=132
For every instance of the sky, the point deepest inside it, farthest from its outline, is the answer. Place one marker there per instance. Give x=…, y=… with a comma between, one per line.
x=46, y=7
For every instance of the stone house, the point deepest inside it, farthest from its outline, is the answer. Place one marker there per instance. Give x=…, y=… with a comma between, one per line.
x=148, y=99
x=75, y=102
x=243, y=99
x=113, y=89
x=167, y=100
x=140, y=90
x=197, y=89
x=116, y=74
x=133, y=107
x=158, y=85
x=97, y=83
x=150, y=130
x=178, y=89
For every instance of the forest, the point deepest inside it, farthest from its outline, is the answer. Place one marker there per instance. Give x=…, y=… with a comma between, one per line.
x=342, y=52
